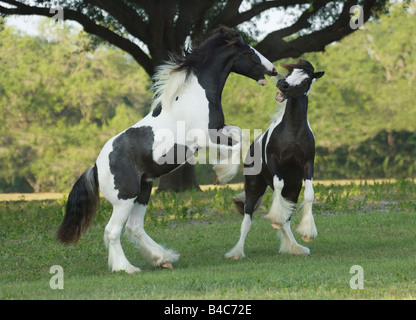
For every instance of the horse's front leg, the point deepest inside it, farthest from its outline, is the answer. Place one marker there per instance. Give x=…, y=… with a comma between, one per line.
x=307, y=228
x=281, y=209
x=227, y=138
x=228, y=141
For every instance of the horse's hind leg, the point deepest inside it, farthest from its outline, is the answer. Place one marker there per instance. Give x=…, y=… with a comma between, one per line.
x=117, y=260
x=281, y=208
x=288, y=243
x=155, y=253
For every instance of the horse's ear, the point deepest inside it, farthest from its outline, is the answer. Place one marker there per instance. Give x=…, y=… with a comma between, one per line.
x=227, y=31
x=231, y=42
x=222, y=29
x=318, y=75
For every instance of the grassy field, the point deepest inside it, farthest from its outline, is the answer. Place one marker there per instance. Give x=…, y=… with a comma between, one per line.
x=370, y=225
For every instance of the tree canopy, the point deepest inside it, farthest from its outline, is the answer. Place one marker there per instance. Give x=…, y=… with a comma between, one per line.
x=56, y=95
x=150, y=29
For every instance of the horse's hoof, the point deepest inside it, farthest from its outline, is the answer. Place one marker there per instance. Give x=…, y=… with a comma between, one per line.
x=167, y=265
x=306, y=239
x=234, y=258
x=276, y=225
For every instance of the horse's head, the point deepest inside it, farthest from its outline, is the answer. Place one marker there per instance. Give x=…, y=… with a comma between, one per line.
x=298, y=81
x=251, y=63
x=225, y=50
x=239, y=56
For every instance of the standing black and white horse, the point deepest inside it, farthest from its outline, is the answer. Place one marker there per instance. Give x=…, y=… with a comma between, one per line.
x=187, y=100
x=287, y=152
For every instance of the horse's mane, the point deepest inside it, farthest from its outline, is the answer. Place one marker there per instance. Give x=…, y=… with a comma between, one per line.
x=279, y=111
x=167, y=82
x=218, y=38
x=170, y=77
x=301, y=64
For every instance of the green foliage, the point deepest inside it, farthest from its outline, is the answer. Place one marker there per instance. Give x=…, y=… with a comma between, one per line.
x=61, y=99
x=369, y=81
x=389, y=154
x=362, y=110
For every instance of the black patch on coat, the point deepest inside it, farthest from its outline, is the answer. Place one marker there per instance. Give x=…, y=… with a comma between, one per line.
x=145, y=191
x=157, y=110
x=132, y=164
x=132, y=152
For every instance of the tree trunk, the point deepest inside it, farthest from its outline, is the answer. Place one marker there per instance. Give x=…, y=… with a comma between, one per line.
x=33, y=183
x=181, y=179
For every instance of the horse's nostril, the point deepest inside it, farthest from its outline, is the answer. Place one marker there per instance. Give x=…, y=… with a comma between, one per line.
x=282, y=84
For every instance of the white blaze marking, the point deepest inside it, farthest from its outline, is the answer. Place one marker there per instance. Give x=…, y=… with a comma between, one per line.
x=265, y=62
x=296, y=77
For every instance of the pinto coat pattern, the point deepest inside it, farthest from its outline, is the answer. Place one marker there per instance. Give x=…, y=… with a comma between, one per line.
x=187, y=99
x=287, y=158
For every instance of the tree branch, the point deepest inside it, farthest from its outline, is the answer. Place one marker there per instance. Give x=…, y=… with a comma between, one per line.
x=238, y=18
x=230, y=10
x=301, y=23
x=144, y=4
x=275, y=48
x=200, y=18
x=125, y=15
x=183, y=23
x=164, y=25
x=89, y=26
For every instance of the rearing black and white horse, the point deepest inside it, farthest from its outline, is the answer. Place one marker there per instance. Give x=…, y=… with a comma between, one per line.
x=187, y=99
x=287, y=152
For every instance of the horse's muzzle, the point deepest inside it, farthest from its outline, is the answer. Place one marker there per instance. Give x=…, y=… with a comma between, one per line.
x=272, y=72
x=262, y=82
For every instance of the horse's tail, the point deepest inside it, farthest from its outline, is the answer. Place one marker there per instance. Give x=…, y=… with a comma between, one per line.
x=225, y=172
x=240, y=200
x=81, y=207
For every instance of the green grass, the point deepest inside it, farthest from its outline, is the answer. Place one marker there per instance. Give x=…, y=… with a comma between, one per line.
x=368, y=225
